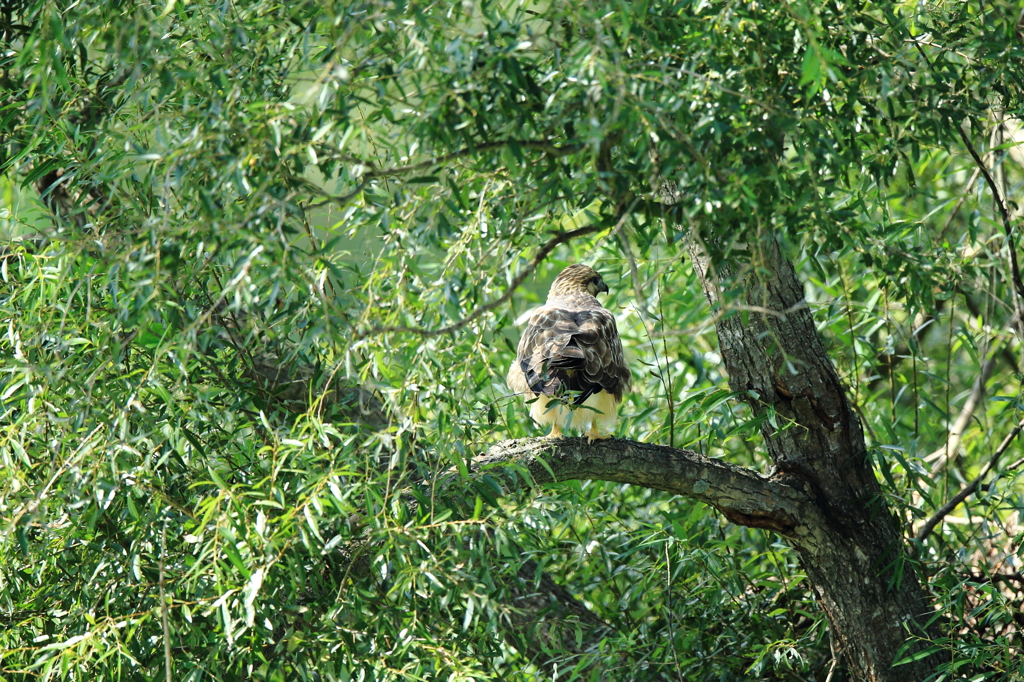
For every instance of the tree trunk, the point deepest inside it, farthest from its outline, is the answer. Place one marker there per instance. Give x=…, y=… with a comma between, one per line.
x=822, y=495
x=856, y=562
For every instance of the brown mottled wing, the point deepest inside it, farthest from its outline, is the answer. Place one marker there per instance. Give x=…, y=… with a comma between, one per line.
x=573, y=350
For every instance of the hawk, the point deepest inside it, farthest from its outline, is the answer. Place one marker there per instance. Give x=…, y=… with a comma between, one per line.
x=571, y=354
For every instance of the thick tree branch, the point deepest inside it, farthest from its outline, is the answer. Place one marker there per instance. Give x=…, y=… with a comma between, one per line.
x=778, y=364
x=743, y=496
x=928, y=526
x=542, y=253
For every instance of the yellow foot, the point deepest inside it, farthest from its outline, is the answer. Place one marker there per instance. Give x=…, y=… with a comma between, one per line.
x=555, y=432
x=594, y=434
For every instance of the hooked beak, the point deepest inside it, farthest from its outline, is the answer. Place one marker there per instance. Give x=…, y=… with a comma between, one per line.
x=602, y=288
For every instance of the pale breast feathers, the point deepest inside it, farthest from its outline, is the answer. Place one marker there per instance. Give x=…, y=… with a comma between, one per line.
x=576, y=350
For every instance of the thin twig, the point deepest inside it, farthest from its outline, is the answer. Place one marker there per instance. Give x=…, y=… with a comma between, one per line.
x=668, y=610
x=539, y=257
x=376, y=153
x=71, y=461
x=695, y=330
x=722, y=312
x=1017, y=284
x=165, y=623
x=892, y=371
x=942, y=456
x=967, y=191
x=328, y=198
x=959, y=204
x=1004, y=212
x=671, y=390
x=1008, y=467
x=832, y=669
x=624, y=213
x=1017, y=577
x=661, y=377
x=853, y=334
x=969, y=489
x=729, y=308
x=634, y=273
x=1004, y=350
x=836, y=653
x=548, y=147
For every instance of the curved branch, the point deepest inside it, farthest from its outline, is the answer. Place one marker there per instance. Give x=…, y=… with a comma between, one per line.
x=743, y=496
x=328, y=198
x=948, y=451
x=547, y=147
x=928, y=526
x=1017, y=284
x=370, y=173
x=541, y=254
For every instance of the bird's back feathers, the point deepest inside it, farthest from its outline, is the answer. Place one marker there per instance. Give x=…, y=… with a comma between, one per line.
x=571, y=350
x=572, y=344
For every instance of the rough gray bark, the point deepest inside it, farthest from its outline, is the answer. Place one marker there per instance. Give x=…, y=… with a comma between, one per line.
x=870, y=594
x=843, y=549
x=822, y=494
x=546, y=611
x=742, y=495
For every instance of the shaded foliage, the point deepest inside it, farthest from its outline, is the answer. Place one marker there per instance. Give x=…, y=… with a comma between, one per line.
x=212, y=210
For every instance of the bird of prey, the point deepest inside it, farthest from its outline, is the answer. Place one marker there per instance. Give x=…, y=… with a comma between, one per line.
x=570, y=358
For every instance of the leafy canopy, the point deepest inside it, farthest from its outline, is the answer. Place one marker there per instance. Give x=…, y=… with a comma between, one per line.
x=215, y=212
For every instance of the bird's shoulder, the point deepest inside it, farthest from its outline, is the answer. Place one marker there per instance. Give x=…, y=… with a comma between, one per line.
x=575, y=309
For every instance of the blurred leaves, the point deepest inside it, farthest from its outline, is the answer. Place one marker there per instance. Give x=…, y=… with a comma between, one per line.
x=207, y=207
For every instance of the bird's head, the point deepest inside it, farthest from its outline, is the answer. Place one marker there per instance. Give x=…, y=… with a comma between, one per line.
x=578, y=278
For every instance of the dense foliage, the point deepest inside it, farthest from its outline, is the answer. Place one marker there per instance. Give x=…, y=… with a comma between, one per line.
x=257, y=295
